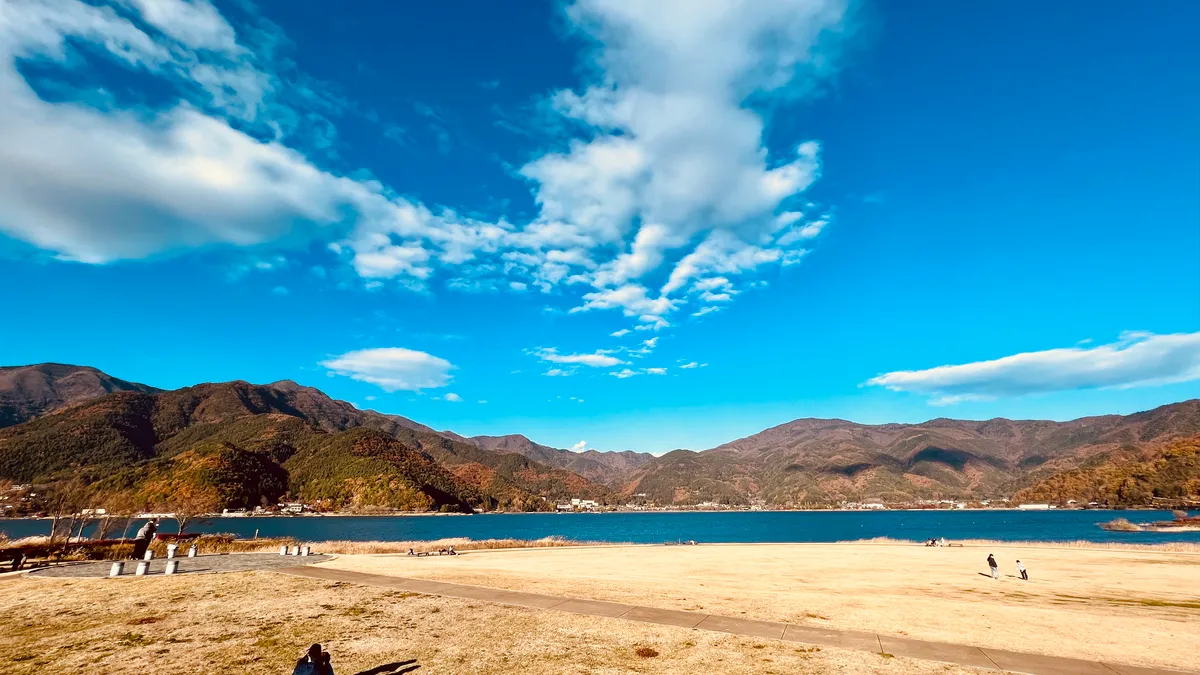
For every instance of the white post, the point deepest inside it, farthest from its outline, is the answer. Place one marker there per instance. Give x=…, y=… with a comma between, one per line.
x=172, y=566
x=142, y=567
x=118, y=568
x=283, y=550
x=149, y=555
x=192, y=551
x=295, y=550
x=171, y=548
x=305, y=551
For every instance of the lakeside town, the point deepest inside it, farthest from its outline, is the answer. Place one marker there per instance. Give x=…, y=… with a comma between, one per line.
x=25, y=501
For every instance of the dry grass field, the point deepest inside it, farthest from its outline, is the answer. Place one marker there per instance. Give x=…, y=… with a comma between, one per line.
x=259, y=623
x=1129, y=605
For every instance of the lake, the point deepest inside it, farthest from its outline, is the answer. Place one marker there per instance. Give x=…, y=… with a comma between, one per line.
x=708, y=527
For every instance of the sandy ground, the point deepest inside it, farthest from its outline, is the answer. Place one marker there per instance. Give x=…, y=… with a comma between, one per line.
x=260, y=622
x=1134, y=607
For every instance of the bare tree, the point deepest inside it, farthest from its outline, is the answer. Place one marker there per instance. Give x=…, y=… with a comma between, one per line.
x=65, y=506
x=118, y=511
x=190, y=504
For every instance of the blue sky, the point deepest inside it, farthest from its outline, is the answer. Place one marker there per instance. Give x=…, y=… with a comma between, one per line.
x=610, y=223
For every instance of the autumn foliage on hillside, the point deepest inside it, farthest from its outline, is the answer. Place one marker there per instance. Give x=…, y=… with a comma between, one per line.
x=1168, y=471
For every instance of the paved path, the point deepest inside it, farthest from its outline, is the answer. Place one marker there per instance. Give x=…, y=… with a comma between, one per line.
x=203, y=564
x=988, y=659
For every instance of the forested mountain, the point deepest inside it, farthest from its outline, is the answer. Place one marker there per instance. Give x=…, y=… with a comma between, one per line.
x=27, y=392
x=822, y=461
x=326, y=451
x=610, y=468
x=1127, y=476
x=248, y=443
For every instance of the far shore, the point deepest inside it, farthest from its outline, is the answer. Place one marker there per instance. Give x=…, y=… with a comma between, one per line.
x=422, y=514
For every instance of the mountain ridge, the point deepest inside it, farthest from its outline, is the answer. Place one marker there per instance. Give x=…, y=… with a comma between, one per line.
x=807, y=461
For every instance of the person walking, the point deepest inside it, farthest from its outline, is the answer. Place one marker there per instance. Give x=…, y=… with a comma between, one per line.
x=142, y=540
x=995, y=569
x=1021, y=569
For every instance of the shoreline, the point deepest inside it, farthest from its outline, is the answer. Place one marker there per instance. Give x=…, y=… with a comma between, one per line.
x=415, y=514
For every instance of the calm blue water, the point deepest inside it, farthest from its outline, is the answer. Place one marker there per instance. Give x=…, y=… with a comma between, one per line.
x=788, y=526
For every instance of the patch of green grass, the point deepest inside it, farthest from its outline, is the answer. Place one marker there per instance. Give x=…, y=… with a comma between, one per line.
x=134, y=640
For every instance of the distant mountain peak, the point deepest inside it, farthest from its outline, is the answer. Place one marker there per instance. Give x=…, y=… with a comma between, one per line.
x=27, y=392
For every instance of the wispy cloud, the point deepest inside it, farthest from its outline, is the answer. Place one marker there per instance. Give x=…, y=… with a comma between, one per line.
x=599, y=359
x=1137, y=359
x=393, y=368
x=452, y=397
x=631, y=372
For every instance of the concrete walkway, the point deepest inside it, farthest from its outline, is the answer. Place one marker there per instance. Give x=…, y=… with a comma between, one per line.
x=963, y=655
x=209, y=563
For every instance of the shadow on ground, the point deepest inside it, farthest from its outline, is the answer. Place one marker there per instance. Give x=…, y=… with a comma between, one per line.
x=397, y=668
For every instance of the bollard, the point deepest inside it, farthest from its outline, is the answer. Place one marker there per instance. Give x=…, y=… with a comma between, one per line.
x=295, y=550
x=305, y=551
x=149, y=555
x=143, y=566
x=172, y=566
x=171, y=548
x=118, y=568
x=192, y=551
x=283, y=550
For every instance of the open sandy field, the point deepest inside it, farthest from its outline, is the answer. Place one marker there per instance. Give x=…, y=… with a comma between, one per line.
x=260, y=622
x=1124, y=606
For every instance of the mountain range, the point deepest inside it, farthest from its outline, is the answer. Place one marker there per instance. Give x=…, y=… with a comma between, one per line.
x=237, y=444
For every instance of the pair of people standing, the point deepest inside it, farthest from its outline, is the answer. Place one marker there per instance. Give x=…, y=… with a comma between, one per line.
x=995, y=568
x=315, y=662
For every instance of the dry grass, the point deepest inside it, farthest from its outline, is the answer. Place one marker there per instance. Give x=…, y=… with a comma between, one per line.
x=228, y=544
x=1165, y=547
x=259, y=623
x=459, y=544
x=1144, y=599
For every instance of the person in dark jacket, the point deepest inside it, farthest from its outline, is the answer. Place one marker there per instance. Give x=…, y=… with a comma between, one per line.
x=142, y=540
x=995, y=569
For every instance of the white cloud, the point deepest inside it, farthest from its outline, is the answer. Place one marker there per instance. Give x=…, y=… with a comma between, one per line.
x=651, y=343
x=598, y=359
x=452, y=397
x=579, y=447
x=559, y=372
x=630, y=372
x=393, y=368
x=620, y=333
x=670, y=170
x=1135, y=360
x=706, y=310
x=693, y=364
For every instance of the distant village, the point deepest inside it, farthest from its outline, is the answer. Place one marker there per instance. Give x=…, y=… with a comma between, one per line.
x=23, y=501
